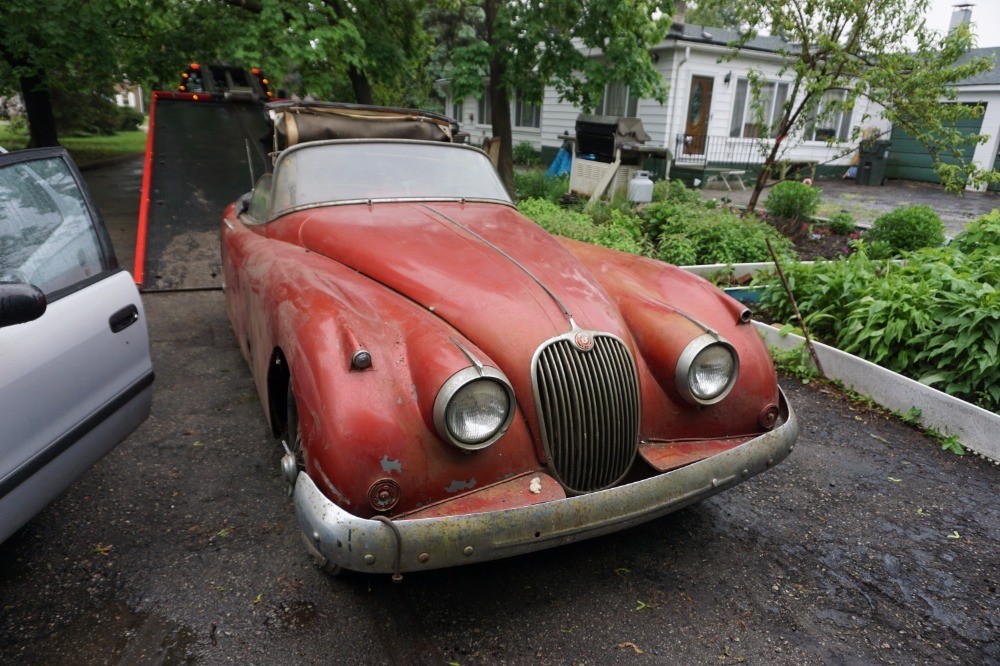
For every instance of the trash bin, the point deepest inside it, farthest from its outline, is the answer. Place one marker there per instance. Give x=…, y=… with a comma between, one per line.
x=872, y=158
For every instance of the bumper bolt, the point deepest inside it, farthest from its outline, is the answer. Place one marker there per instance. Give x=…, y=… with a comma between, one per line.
x=467, y=551
x=369, y=559
x=424, y=557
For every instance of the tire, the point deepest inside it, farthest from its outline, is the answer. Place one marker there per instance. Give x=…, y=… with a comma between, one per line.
x=293, y=438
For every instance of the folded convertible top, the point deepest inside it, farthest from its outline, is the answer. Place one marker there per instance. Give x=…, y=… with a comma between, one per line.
x=298, y=122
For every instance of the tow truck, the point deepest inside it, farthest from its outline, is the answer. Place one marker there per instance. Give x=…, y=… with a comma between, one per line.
x=204, y=149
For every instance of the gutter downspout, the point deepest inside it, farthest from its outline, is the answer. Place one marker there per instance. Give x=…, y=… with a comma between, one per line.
x=671, y=136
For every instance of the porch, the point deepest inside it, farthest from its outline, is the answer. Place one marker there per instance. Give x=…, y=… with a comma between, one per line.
x=728, y=163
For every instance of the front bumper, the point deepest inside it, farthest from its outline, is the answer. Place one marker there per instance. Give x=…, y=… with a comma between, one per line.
x=367, y=545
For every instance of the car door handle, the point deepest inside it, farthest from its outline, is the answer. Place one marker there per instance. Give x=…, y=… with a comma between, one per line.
x=124, y=318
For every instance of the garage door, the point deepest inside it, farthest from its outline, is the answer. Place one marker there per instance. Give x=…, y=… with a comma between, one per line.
x=909, y=160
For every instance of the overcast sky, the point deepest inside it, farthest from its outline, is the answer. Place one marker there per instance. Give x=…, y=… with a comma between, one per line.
x=985, y=16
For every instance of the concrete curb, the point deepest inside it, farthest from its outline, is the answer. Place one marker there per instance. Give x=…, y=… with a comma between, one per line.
x=976, y=428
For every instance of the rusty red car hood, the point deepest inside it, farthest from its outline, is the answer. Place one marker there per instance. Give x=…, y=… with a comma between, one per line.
x=496, y=277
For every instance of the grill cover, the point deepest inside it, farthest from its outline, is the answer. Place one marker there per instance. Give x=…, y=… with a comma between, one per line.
x=588, y=405
x=602, y=135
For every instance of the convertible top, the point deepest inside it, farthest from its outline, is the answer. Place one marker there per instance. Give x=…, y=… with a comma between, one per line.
x=299, y=122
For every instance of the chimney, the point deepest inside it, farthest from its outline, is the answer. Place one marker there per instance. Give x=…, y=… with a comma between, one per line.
x=961, y=16
x=680, y=9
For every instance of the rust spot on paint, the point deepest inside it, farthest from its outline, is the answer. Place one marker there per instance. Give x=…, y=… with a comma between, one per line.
x=391, y=465
x=459, y=485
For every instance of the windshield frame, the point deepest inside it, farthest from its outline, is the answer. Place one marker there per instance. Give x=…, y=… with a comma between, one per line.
x=437, y=145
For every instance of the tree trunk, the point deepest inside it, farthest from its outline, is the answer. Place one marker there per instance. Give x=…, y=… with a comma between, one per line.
x=499, y=100
x=765, y=172
x=38, y=107
x=362, y=88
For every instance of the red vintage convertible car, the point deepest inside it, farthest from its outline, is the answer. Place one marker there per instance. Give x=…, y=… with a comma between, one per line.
x=451, y=383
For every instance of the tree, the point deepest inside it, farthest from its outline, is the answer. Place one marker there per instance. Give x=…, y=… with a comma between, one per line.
x=366, y=52
x=85, y=46
x=520, y=47
x=839, y=51
x=714, y=15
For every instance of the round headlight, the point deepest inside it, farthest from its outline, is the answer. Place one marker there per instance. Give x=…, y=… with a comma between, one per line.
x=707, y=370
x=474, y=408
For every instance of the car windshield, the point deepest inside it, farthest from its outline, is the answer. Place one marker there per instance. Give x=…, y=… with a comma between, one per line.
x=352, y=171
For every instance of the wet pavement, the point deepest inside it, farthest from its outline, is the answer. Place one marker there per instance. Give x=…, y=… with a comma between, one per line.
x=868, y=545
x=865, y=204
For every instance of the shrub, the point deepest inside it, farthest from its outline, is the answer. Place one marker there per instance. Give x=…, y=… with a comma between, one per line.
x=81, y=113
x=677, y=249
x=534, y=184
x=907, y=228
x=526, y=155
x=791, y=201
x=935, y=319
x=718, y=235
x=129, y=119
x=674, y=190
x=841, y=223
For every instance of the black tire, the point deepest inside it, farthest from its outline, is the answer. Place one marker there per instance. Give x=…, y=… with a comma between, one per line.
x=293, y=437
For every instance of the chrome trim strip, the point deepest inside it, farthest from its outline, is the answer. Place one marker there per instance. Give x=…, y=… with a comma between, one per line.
x=369, y=202
x=512, y=260
x=431, y=543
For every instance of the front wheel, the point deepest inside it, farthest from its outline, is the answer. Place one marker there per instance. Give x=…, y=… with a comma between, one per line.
x=293, y=464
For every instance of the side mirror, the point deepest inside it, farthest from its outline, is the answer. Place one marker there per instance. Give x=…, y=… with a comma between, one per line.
x=20, y=302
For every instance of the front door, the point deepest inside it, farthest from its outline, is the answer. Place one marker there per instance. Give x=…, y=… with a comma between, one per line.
x=699, y=105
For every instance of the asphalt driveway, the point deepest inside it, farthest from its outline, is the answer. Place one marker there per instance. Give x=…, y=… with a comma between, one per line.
x=868, y=545
x=865, y=204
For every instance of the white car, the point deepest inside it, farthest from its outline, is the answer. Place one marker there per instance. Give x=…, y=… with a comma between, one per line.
x=75, y=371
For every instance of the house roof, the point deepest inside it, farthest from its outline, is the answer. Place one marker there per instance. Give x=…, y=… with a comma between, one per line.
x=772, y=44
x=723, y=37
x=988, y=78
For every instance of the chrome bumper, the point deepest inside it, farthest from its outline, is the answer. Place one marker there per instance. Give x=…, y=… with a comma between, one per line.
x=366, y=545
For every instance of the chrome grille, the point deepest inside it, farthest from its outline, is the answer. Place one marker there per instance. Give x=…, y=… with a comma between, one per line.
x=588, y=407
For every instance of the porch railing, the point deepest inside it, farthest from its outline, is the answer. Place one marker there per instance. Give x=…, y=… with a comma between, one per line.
x=704, y=151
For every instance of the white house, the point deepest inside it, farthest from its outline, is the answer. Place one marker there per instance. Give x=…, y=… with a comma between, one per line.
x=707, y=118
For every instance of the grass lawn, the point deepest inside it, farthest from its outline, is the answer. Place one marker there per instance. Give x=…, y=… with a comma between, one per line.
x=84, y=149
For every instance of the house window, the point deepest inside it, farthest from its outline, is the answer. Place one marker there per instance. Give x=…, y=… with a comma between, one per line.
x=526, y=114
x=617, y=100
x=456, y=110
x=831, y=121
x=746, y=123
x=485, y=116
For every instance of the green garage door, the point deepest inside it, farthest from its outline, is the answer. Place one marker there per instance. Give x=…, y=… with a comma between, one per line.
x=909, y=160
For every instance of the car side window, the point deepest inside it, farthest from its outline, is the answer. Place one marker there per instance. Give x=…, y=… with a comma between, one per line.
x=260, y=201
x=47, y=235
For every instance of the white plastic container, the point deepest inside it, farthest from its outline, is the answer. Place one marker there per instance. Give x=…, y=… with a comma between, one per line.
x=640, y=188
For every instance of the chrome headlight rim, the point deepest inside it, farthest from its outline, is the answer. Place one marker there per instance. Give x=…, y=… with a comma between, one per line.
x=685, y=364
x=450, y=389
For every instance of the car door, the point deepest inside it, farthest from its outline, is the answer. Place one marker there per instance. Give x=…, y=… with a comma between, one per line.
x=77, y=379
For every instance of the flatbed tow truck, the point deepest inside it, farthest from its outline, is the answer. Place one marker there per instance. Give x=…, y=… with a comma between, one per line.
x=203, y=151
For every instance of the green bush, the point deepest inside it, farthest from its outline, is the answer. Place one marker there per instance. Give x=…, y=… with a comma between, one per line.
x=935, y=319
x=674, y=190
x=906, y=229
x=534, y=184
x=792, y=201
x=841, y=223
x=677, y=249
x=78, y=114
x=718, y=236
x=526, y=155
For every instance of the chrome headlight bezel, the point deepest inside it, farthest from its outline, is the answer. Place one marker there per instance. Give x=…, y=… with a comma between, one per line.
x=450, y=389
x=686, y=363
